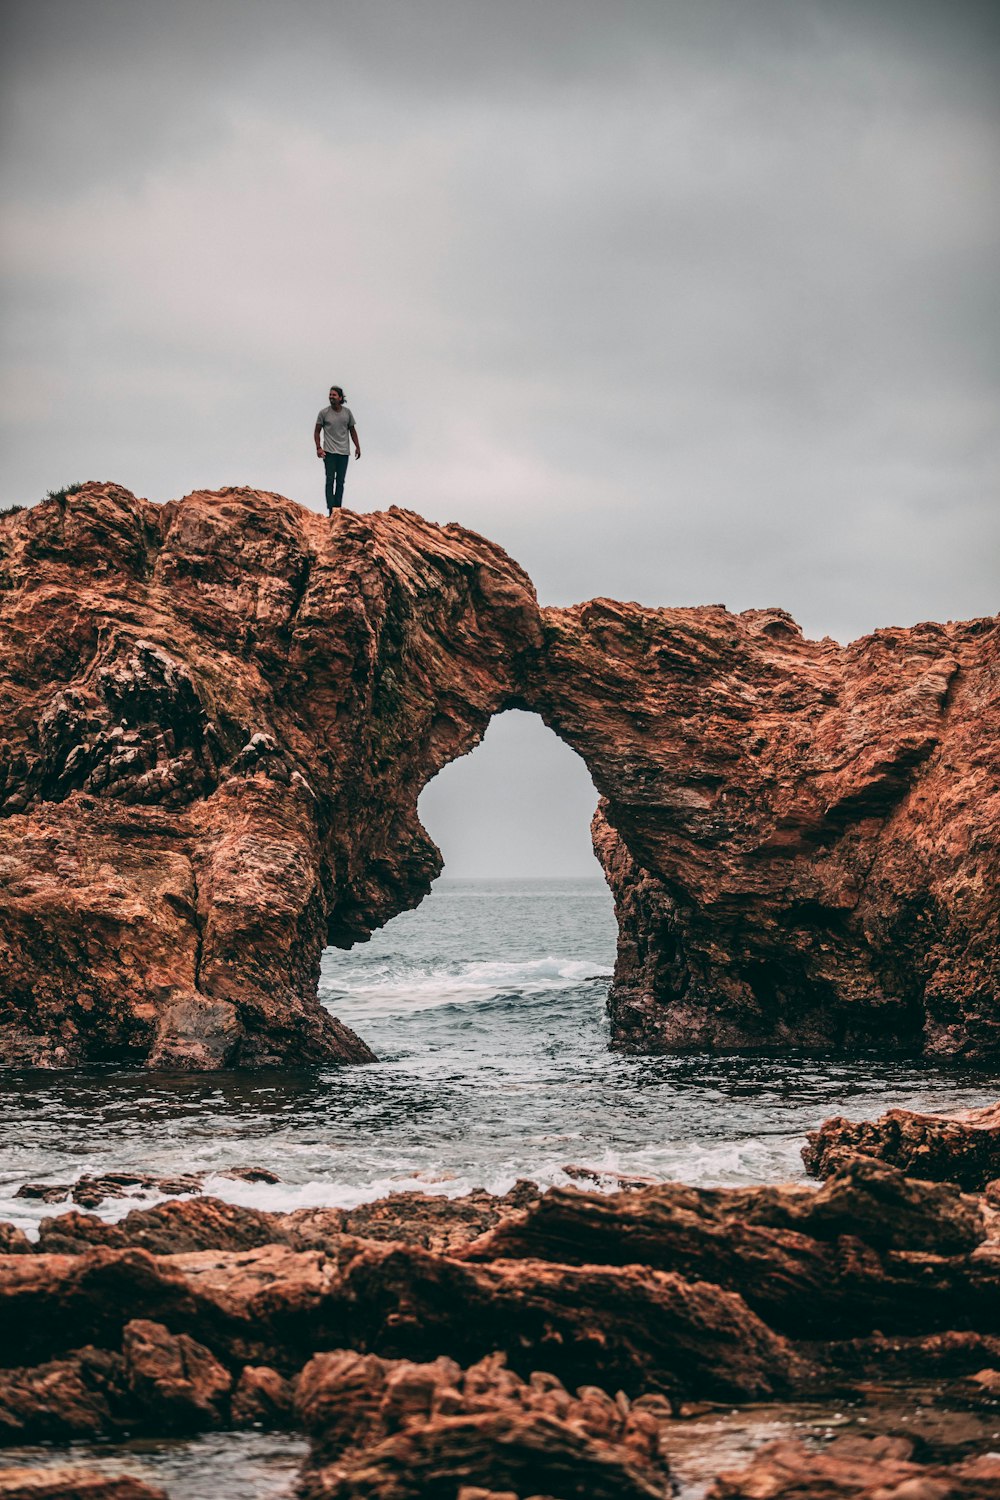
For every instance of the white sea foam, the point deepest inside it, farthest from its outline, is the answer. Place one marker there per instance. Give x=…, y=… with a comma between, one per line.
x=702, y=1164
x=389, y=987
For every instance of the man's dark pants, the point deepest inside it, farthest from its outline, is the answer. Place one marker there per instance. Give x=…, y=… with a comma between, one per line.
x=336, y=472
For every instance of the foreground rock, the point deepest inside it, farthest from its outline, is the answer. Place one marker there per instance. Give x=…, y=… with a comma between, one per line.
x=422, y=1219
x=219, y=715
x=853, y=1469
x=872, y=1250
x=672, y=1291
x=67, y=1482
x=394, y=1429
x=962, y=1148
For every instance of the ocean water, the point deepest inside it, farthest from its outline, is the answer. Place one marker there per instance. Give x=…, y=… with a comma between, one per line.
x=486, y=1008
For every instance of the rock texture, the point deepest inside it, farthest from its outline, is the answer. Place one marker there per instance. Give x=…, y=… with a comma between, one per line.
x=218, y=715
x=801, y=837
x=394, y=1429
x=963, y=1147
x=544, y=1348
x=853, y=1469
x=680, y=1292
x=67, y=1482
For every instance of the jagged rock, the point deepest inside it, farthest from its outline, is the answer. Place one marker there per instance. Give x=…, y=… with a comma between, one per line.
x=206, y=1223
x=219, y=715
x=429, y=1220
x=855, y=1469
x=166, y=1229
x=68, y=1482
x=796, y=833
x=14, y=1241
x=82, y=1395
x=175, y=1377
x=215, y=749
x=262, y=1398
x=629, y=1328
x=962, y=1147
x=150, y=1380
x=395, y=1429
x=871, y=1250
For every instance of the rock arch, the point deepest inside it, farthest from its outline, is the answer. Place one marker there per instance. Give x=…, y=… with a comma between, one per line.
x=219, y=714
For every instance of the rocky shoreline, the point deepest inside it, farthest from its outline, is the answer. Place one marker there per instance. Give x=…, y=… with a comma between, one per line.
x=219, y=713
x=536, y=1344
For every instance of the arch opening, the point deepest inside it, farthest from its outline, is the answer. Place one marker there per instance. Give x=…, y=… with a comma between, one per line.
x=520, y=914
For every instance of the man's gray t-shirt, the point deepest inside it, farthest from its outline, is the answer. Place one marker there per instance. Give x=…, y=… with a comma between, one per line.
x=336, y=427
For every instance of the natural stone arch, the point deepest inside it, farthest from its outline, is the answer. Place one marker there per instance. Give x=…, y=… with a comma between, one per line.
x=221, y=712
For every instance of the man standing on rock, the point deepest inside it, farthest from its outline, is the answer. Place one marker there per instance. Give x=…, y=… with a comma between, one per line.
x=333, y=434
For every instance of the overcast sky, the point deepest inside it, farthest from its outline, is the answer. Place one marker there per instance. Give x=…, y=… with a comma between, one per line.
x=687, y=301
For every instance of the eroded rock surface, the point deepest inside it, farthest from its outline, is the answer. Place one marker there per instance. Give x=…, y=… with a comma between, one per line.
x=69, y=1482
x=392, y=1429
x=800, y=836
x=963, y=1147
x=543, y=1348
x=856, y=1469
x=218, y=715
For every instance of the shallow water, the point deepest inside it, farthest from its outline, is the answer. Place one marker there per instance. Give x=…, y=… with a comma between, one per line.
x=486, y=1008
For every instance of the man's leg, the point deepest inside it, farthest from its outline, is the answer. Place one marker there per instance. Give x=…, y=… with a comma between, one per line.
x=338, y=498
x=330, y=465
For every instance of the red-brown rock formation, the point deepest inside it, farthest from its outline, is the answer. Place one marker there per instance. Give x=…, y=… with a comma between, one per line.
x=963, y=1147
x=801, y=837
x=856, y=1469
x=871, y=1250
x=393, y=1429
x=68, y=1482
x=219, y=714
x=666, y=1294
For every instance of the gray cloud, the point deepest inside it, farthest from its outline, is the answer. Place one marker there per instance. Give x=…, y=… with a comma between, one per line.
x=687, y=302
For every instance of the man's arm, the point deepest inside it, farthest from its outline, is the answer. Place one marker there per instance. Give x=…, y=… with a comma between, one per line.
x=317, y=432
x=354, y=436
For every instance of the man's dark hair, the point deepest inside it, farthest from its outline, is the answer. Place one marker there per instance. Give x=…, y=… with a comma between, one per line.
x=340, y=391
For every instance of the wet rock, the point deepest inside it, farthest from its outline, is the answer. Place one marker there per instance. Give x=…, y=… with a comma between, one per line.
x=429, y=1220
x=67, y=1482
x=396, y=1428
x=855, y=1469
x=963, y=1148
x=91, y=1192
x=262, y=1398
x=175, y=1377
x=622, y=1182
x=167, y=1229
x=45, y=1192
x=84, y=1395
x=871, y=1250
x=207, y=1223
